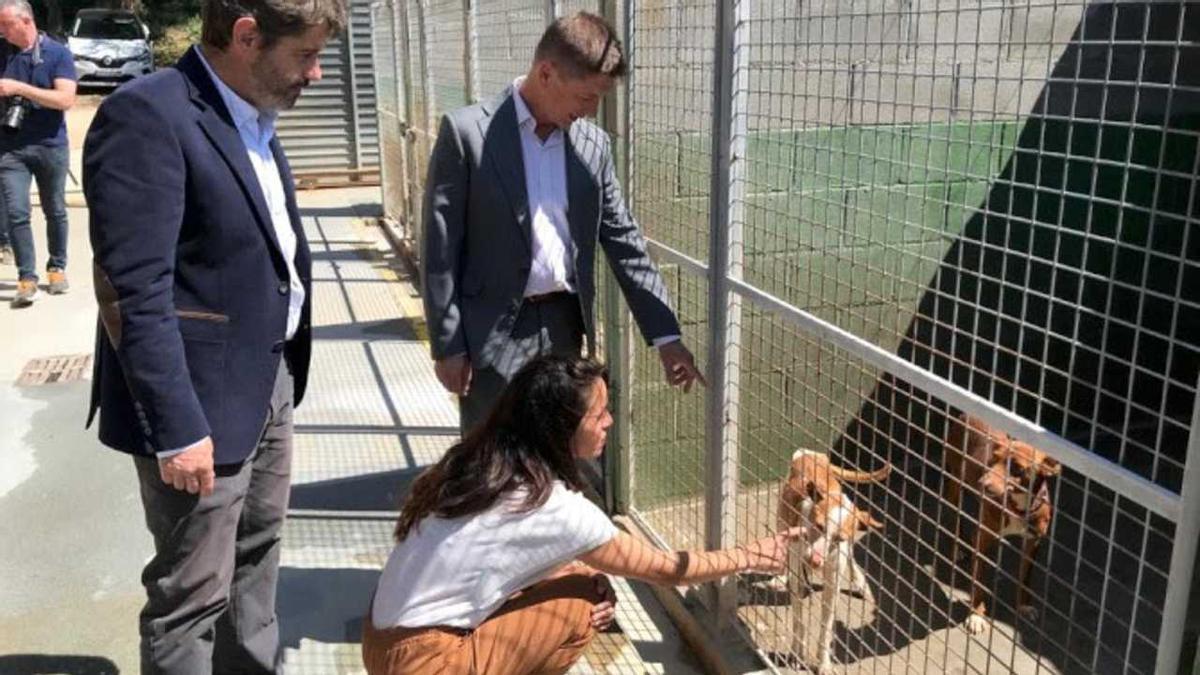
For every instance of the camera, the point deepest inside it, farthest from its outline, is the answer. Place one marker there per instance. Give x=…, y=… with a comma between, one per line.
x=14, y=114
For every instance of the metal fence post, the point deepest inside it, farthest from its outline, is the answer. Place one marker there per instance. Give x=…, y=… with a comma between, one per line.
x=352, y=79
x=404, y=89
x=614, y=115
x=400, y=58
x=385, y=58
x=427, y=73
x=1183, y=554
x=730, y=99
x=470, y=51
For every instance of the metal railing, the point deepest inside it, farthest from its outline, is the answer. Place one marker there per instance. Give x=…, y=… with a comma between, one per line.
x=875, y=216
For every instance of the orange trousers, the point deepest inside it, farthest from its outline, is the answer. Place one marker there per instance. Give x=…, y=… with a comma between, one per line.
x=543, y=630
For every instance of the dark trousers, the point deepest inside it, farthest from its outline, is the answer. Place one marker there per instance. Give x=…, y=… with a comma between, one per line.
x=211, y=584
x=18, y=168
x=552, y=326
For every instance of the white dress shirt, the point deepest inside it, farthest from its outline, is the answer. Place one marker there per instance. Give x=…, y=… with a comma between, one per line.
x=553, y=265
x=256, y=129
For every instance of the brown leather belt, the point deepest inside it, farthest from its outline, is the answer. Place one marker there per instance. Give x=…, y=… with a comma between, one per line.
x=546, y=297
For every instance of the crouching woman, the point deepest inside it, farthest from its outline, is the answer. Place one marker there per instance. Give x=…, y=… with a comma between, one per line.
x=495, y=567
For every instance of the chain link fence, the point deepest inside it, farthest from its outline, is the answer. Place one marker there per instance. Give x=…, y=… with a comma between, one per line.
x=877, y=217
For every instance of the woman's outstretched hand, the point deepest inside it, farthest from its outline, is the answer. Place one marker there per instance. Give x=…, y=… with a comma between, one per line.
x=769, y=555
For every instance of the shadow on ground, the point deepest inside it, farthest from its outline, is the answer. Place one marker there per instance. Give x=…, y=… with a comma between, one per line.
x=55, y=664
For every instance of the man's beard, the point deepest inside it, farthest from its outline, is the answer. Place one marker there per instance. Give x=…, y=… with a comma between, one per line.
x=285, y=99
x=275, y=92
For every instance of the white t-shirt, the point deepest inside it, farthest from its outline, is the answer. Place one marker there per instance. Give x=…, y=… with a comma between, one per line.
x=458, y=572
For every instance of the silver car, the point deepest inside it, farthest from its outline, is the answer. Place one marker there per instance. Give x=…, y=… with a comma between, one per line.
x=110, y=46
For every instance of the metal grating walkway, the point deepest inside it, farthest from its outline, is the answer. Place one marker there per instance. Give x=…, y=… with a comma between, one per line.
x=373, y=417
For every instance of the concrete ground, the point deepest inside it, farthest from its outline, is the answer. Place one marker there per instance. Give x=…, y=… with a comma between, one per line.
x=70, y=515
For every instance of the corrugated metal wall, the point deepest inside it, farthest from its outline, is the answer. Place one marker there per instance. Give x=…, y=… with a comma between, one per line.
x=334, y=128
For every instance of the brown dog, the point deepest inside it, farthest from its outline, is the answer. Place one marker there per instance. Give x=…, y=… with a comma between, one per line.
x=1011, y=481
x=813, y=498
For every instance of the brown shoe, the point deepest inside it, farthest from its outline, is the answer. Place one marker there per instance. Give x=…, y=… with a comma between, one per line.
x=27, y=291
x=57, y=281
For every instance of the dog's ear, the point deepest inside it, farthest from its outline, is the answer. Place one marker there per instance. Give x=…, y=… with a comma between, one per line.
x=1050, y=467
x=1001, y=450
x=788, y=514
x=820, y=519
x=868, y=522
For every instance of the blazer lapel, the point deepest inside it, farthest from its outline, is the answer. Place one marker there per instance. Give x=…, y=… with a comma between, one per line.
x=303, y=260
x=502, y=147
x=583, y=157
x=218, y=125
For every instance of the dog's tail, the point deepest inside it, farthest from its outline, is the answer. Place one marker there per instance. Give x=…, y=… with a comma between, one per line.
x=854, y=476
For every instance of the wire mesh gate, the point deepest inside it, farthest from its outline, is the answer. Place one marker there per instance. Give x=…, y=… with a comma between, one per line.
x=875, y=216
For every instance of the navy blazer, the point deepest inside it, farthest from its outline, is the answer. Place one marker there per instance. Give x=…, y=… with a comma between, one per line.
x=192, y=286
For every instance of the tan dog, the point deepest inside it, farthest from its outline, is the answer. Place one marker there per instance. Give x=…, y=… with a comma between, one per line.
x=813, y=498
x=1011, y=480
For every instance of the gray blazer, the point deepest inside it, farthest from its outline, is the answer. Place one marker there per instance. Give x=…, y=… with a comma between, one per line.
x=475, y=248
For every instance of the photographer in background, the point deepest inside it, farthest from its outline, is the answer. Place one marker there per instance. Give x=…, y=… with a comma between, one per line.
x=6, y=252
x=38, y=84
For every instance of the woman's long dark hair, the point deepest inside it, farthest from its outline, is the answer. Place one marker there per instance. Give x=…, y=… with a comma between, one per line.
x=525, y=442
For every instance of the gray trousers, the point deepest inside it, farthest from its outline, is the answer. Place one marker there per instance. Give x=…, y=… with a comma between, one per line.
x=552, y=326
x=211, y=584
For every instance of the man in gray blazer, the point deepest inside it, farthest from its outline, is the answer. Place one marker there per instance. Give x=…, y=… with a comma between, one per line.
x=520, y=192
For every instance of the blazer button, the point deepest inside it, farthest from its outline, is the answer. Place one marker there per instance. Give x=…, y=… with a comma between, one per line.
x=283, y=289
x=277, y=347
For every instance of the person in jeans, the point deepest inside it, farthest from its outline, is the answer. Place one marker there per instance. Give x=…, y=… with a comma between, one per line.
x=499, y=561
x=39, y=77
x=6, y=252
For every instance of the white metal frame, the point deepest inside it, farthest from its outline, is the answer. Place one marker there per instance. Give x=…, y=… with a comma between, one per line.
x=728, y=291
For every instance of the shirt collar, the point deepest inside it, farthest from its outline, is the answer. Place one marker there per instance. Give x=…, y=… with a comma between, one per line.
x=243, y=112
x=525, y=119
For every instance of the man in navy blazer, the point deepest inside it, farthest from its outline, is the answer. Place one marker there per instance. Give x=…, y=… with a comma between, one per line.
x=202, y=276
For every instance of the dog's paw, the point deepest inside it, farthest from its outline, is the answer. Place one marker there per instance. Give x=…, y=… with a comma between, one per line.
x=823, y=669
x=1028, y=612
x=975, y=624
